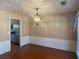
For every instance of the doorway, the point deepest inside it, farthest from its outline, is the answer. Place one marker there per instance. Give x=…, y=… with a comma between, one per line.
x=14, y=33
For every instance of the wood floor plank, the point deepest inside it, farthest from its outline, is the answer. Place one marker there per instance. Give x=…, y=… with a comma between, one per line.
x=31, y=51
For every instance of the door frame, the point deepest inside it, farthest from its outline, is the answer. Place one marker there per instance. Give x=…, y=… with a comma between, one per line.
x=9, y=32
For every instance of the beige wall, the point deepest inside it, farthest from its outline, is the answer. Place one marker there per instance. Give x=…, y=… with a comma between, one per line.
x=4, y=24
x=25, y=26
x=55, y=26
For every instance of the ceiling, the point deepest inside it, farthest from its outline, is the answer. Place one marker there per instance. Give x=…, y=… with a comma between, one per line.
x=47, y=7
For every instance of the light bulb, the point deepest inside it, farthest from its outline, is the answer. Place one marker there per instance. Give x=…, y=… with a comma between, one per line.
x=37, y=18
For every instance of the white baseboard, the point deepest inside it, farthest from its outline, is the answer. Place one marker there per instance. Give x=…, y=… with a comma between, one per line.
x=5, y=47
x=53, y=43
x=24, y=40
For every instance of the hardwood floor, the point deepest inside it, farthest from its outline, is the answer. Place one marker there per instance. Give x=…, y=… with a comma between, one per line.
x=31, y=51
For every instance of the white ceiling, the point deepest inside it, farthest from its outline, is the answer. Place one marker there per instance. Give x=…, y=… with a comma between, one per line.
x=47, y=7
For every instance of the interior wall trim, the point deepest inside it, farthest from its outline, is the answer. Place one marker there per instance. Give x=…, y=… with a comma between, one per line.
x=24, y=40
x=62, y=44
x=5, y=46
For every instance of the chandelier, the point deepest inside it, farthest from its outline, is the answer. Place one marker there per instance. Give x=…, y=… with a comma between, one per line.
x=37, y=17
